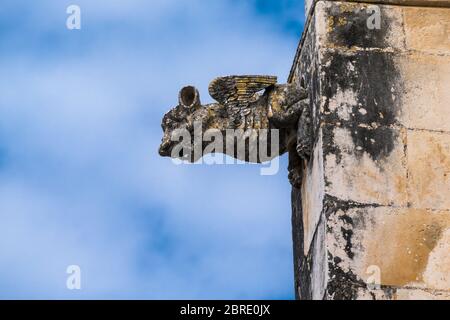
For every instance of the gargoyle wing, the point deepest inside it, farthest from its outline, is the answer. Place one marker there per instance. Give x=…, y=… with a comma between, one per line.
x=238, y=89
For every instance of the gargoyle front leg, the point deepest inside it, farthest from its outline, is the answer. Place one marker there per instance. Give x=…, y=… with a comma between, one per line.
x=284, y=107
x=288, y=108
x=301, y=151
x=304, y=131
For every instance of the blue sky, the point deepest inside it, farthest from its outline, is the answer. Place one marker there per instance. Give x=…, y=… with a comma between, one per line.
x=80, y=178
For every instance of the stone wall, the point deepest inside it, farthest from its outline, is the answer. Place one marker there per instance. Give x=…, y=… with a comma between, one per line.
x=372, y=219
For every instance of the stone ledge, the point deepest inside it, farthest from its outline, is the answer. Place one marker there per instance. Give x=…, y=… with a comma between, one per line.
x=343, y=26
x=395, y=293
x=419, y=3
x=309, y=4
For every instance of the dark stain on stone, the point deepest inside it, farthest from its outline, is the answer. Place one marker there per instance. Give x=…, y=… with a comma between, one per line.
x=389, y=292
x=347, y=235
x=344, y=285
x=373, y=79
x=347, y=219
x=305, y=285
x=378, y=143
x=371, y=76
x=348, y=27
x=332, y=206
x=305, y=275
x=329, y=146
x=341, y=285
x=301, y=264
x=432, y=234
x=337, y=260
x=307, y=76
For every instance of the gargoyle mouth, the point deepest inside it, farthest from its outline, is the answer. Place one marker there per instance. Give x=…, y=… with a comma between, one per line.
x=165, y=149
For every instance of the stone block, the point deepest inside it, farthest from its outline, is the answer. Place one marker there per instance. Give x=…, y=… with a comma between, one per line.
x=348, y=26
x=360, y=89
x=428, y=169
x=408, y=247
x=427, y=29
x=426, y=97
x=366, y=165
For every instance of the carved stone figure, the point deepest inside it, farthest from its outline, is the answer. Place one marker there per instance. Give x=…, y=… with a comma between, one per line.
x=244, y=102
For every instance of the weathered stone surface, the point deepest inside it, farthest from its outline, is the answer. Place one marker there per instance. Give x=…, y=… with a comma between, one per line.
x=313, y=192
x=430, y=3
x=429, y=169
x=360, y=89
x=319, y=270
x=420, y=3
x=344, y=26
x=312, y=268
x=409, y=246
x=427, y=30
x=305, y=213
x=383, y=122
x=389, y=293
x=308, y=6
x=426, y=96
x=420, y=294
x=353, y=173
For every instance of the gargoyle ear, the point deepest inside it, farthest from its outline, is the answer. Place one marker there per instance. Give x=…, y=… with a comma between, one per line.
x=189, y=97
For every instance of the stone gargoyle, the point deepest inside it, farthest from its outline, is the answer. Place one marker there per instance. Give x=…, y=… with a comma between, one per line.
x=244, y=102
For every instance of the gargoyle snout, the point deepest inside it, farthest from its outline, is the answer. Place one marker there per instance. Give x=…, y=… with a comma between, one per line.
x=189, y=97
x=164, y=148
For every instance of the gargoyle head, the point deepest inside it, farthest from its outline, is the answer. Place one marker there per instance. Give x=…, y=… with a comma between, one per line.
x=182, y=118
